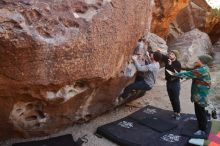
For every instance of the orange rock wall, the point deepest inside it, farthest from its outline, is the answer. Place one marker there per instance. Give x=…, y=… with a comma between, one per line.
x=164, y=13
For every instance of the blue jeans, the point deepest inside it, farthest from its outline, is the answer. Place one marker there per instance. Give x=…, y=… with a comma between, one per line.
x=139, y=85
x=173, y=90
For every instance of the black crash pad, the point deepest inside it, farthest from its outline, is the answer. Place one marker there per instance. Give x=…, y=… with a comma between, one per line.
x=151, y=111
x=171, y=138
x=132, y=131
x=65, y=140
x=128, y=132
x=191, y=126
x=158, y=124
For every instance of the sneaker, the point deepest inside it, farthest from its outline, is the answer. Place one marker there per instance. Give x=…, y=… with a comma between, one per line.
x=174, y=115
x=121, y=99
x=118, y=100
x=200, y=134
x=178, y=117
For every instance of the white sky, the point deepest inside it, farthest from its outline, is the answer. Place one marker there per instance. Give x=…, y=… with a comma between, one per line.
x=214, y=3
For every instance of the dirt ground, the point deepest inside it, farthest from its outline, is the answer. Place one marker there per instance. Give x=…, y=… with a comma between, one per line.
x=156, y=97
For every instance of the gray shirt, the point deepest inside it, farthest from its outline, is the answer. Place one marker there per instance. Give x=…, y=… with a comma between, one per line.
x=150, y=71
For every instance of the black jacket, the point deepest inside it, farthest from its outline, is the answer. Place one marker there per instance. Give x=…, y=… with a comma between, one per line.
x=175, y=65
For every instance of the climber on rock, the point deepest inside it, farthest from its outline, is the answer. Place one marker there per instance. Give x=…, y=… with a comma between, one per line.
x=149, y=71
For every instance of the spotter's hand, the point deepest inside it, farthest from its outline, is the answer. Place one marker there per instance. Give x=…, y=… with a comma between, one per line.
x=169, y=61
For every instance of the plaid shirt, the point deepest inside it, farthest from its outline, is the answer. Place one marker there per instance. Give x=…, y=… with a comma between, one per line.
x=201, y=83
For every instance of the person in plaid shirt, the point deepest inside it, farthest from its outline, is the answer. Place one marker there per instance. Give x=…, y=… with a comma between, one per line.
x=201, y=83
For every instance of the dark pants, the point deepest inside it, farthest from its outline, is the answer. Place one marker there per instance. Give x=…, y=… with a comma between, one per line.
x=201, y=116
x=173, y=90
x=138, y=85
x=139, y=76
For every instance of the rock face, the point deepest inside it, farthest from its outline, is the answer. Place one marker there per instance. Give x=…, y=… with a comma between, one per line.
x=190, y=45
x=195, y=15
x=164, y=13
x=61, y=61
x=215, y=33
x=156, y=42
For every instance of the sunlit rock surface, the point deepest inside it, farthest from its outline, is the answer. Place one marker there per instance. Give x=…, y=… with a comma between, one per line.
x=62, y=61
x=195, y=15
x=164, y=13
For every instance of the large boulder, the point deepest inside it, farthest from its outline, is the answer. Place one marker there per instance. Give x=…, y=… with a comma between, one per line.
x=190, y=45
x=195, y=15
x=156, y=42
x=164, y=13
x=150, y=42
x=215, y=32
x=61, y=61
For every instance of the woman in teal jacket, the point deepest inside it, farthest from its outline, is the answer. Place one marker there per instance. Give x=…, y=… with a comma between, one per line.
x=201, y=83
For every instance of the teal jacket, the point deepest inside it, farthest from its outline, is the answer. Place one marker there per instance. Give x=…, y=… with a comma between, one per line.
x=201, y=83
